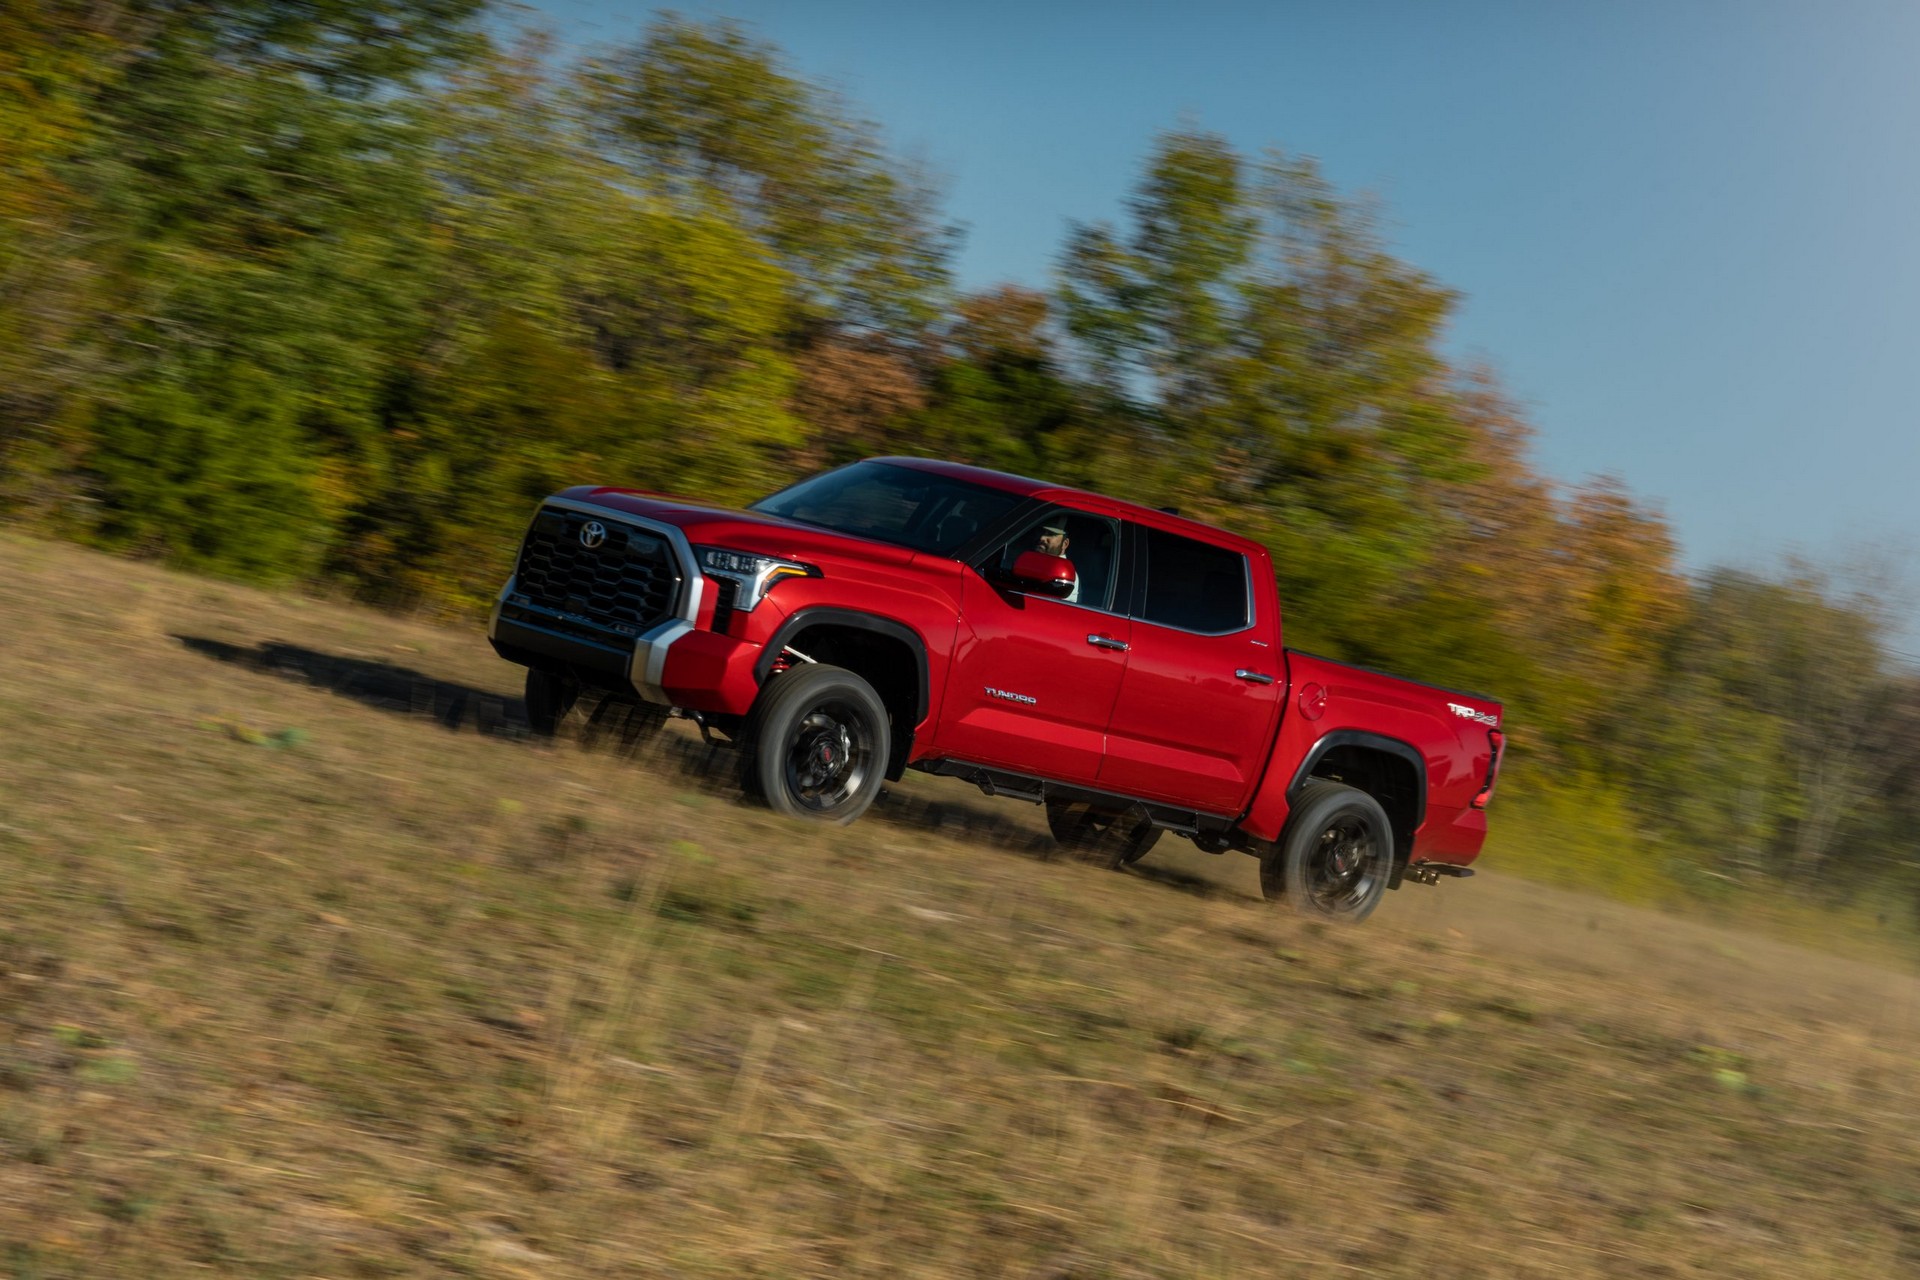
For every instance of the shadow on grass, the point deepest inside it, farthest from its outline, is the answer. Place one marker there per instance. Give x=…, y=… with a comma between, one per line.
x=902, y=805
x=603, y=724
x=1198, y=886
x=384, y=685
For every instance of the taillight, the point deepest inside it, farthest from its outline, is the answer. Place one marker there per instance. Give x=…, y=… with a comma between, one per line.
x=1497, y=744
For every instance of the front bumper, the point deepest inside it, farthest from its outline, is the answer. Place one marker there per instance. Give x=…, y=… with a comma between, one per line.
x=604, y=651
x=673, y=663
x=525, y=633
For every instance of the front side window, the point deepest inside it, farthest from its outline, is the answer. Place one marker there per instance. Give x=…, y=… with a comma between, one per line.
x=1091, y=542
x=1193, y=585
x=902, y=505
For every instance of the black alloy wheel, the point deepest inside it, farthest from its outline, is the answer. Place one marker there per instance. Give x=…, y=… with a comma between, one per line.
x=1336, y=855
x=820, y=744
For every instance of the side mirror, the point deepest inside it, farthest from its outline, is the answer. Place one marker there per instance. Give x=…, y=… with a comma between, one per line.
x=1043, y=575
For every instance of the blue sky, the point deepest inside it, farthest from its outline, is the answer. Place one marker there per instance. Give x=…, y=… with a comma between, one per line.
x=1687, y=234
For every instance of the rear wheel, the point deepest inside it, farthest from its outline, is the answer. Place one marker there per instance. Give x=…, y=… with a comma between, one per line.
x=1113, y=838
x=1336, y=856
x=820, y=744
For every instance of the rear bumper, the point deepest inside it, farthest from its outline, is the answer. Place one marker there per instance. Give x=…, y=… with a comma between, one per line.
x=1454, y=838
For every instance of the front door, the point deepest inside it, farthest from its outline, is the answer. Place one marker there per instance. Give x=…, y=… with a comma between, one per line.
x=1034, y=679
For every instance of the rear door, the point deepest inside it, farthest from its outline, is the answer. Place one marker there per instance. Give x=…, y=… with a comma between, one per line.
x=1195, y=719
x=1034, y=679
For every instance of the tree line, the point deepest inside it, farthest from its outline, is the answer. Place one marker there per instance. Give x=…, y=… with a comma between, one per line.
x=335, y=292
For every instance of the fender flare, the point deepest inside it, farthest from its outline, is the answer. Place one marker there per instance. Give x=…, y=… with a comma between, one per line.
x=830, y=616
x=1375, y=741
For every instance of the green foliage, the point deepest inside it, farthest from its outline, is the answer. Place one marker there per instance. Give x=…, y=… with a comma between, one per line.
x=55, y=55
x=350, y=48
x=337, y=291
x=263, y=235
x=583, y=325
x=1583, y=836
x=1287, y=371
x=217, y=477
x=707, y=115
x=999, y=396
x=1162, y=304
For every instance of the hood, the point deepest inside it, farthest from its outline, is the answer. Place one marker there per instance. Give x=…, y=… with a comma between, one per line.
x=736, y=530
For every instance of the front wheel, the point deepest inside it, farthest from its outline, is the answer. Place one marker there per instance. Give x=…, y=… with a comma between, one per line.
x=550, y=700
x=1336, y=856
x=820, y=745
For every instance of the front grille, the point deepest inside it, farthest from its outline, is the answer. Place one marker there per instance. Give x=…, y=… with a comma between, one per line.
x=626, y=584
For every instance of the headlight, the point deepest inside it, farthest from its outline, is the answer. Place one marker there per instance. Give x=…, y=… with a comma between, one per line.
x=754, y=573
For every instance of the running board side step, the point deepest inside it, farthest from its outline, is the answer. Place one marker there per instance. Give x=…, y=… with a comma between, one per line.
x=1011, y=786
x=1215, y=829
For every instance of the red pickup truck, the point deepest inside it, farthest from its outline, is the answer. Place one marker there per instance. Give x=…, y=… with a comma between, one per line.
x=1118, y=664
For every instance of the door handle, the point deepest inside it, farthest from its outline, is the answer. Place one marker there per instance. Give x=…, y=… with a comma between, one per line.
x=1257, y=677
x=1107, y=642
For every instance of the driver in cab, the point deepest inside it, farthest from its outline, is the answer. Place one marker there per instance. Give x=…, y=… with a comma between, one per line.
x=1053, y=541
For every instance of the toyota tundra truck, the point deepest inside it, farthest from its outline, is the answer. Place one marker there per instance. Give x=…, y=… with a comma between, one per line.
x=1119, y=665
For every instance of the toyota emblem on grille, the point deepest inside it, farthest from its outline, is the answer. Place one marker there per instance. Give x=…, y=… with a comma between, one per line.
x=592, y=534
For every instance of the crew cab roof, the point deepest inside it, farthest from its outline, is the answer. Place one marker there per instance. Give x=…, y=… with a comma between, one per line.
x=1027, y=487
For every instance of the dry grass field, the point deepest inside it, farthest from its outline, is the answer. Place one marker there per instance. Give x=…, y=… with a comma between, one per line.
x=312, y=964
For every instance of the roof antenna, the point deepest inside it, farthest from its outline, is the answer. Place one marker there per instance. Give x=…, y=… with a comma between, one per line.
x=1172, y=511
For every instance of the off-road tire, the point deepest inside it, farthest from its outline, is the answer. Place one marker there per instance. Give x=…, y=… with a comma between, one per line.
x=1335, y=857
x=818, y=744
x=550, y=700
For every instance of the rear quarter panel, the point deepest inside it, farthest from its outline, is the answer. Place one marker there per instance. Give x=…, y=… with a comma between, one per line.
x=1452, y=743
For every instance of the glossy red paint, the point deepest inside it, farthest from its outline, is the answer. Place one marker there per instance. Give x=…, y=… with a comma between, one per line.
x=1220, y=725
x=1452, y=747
x=1029, y=690
x=1313, y=701
x=1049, y=575
x=1188, y=729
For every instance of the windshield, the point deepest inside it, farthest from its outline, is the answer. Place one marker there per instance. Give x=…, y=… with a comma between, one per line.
x=901, y=505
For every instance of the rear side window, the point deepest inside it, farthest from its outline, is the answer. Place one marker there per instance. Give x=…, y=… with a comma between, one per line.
x=1194, y=585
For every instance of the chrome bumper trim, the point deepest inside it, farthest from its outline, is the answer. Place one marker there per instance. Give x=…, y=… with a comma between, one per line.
x=649, y=665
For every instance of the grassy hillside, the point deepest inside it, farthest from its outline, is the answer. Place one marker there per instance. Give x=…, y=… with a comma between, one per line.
x=312, y=964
